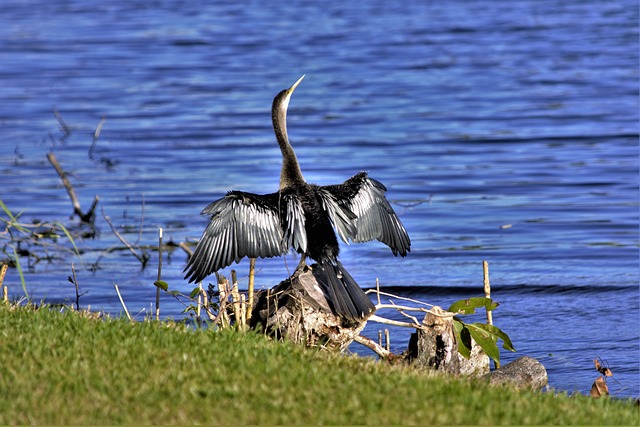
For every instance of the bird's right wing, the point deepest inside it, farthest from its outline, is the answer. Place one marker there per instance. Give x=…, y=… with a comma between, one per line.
x=374, y=216
x=242, y=225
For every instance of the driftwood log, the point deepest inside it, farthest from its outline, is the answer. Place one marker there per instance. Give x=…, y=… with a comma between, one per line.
x=434, y=346
x=298, y=309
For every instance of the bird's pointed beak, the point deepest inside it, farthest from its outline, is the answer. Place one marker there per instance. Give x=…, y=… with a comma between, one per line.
x=295, y=85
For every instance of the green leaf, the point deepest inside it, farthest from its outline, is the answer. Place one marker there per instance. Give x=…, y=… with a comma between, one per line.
x=64, y=229
x=194, y=293
x=174, y=293
x=189, y=308
x=463, y=338
x=161, y=284
x=469, y=305
x=485, y=340
x=7, y=211
x=13, y=219
x=497, y=333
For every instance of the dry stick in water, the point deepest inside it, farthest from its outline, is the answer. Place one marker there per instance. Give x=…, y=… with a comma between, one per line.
x=65, y=127
x=122, y=301
x=142, y=258
x=75, y=282
x=160, y=275
x=487, y=289
x=85, y=217
x=96, y=135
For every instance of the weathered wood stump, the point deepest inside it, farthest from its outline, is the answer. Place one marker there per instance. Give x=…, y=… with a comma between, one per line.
x=434, y=346
x=524, y=372
x=298, y=309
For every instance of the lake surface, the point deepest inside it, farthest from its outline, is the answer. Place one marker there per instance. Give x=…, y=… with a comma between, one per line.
x=504, y=131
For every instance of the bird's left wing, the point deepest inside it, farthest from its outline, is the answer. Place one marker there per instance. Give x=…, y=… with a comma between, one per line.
x=375, y=218
x=242, y=225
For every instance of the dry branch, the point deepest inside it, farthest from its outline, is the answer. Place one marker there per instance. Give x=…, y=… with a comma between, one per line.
x=142, y=258
x=160, y=274
x=77, y=210
x=371, y=344
x=96, y=135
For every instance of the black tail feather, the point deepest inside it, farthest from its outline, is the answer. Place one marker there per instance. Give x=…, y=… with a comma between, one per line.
x=347, y=299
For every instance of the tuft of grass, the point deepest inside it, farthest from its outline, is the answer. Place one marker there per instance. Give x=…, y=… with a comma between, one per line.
x=66, y=368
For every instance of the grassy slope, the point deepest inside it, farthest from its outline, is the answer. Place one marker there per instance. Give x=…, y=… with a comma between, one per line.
x=65, y=369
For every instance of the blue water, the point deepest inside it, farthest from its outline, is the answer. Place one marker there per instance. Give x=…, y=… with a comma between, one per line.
x=504, y=131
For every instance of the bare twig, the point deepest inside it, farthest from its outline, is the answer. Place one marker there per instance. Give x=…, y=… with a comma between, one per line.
x=401, y=307
x=75, y=282
x=121, y=300
x=207, y=306
x=186, y=248
x=77, y=210
x=65, y=128
x=252, y=274
x=376, y=318
x=487, y=289
x=5, y=290
x=3, y=271
x=142, y=258
x=398, y=297
x=235, y=298
x=96, y=135
x=223, y=294
x=159, y=273
x=243, y=312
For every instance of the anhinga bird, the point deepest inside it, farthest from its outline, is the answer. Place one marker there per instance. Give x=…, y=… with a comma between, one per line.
x=301, y=216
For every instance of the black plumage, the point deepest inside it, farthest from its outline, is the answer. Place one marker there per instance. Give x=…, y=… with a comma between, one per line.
x=301, y=216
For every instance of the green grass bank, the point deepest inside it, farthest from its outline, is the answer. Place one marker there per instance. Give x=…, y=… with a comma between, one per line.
x=63, y=368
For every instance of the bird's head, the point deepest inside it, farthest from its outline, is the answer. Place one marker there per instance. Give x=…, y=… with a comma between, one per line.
x=281, y=101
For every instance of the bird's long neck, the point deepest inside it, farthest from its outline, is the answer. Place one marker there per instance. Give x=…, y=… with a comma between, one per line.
x=290, y=174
